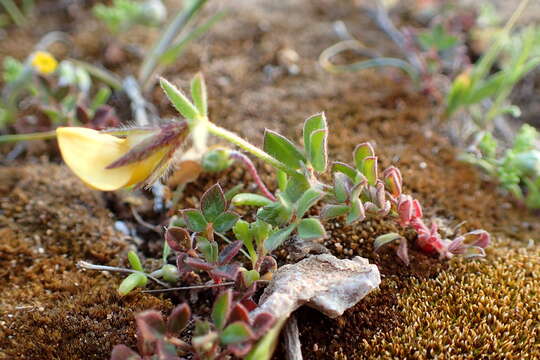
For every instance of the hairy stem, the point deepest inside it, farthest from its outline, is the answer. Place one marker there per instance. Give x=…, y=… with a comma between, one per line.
x=90, y=266
x=247, y=146
x=253, y=171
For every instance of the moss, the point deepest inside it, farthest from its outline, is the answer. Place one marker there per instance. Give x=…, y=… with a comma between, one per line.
x=486, y=309
x=50, y=309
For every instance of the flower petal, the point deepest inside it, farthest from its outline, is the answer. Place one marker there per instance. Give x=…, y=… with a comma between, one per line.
x=88, y=152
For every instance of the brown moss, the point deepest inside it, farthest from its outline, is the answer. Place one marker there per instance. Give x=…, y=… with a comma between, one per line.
x=49, y=308
x=484, y=309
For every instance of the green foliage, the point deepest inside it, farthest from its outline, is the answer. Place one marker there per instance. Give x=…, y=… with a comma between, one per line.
x=517, y=54
x=518, y=168
x=124, y=14
x=64, y=96
x=231, y=332
x=437, y=38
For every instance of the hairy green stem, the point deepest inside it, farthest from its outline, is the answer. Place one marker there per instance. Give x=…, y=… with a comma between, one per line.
x=247, y=146
x=32, y=136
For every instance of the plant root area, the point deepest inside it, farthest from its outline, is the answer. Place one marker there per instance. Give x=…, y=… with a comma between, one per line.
x=261, y=67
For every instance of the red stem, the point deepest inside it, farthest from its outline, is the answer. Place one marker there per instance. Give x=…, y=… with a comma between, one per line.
x=253, y=171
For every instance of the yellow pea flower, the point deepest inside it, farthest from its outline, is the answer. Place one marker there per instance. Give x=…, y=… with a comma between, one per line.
x=44, y=62
x=106, y=162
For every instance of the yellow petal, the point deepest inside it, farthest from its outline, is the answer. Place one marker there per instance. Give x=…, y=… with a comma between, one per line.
x=143, y=169
x=88, y=152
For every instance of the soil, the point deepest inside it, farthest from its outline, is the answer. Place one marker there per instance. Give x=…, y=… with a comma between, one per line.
x=49, y=220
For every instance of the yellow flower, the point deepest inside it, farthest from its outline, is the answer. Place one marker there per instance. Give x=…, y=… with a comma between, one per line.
x=90, y=155
x=44, y=62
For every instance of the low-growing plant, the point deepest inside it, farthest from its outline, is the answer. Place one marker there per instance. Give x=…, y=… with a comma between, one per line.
x=483, y=92
x=516, y=168
x=357, y=191
x=16, y=14
x=124, y=14
x=427, y=55
x=61, y=92
x=230, y=332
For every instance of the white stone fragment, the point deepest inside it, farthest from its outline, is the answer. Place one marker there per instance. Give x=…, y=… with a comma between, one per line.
x=323, y=282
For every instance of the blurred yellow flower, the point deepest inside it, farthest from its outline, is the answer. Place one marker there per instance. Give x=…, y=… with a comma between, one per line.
x=89, y=153
x=44, y=62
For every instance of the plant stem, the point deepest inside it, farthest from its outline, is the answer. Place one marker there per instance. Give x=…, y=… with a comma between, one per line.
x=32, y=136
x=169, y=35
x=247, y=146
x=90, y=266
x=253, y=171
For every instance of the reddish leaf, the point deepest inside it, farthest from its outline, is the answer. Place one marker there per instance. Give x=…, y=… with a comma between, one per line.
x=181, y=263
x=262, y=323
x=179, y=319
x=239, y=313
x=198, y=264
x=249, y=304
x=229, y=271
x=229, y=252
x=178, y=239
x=269, y=264
x=150, y=328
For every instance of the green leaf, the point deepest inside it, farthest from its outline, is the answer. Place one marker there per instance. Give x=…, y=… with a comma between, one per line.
x=195, y=220
x=225, y=221
x=222, y=309
x=306, y=201
x=264, y=349
x=361, y=152
x=179, y=100
x=277, y=213
x=312, y=124
x=134, y=261
x=385, y=239
x=102, y=96
x=356, y=211
x=174, y=51
x=282, y=149
x=282, y=180
x=232, y=192
x=296, y=187
x=318, y=152
x=247, y=199
x=131, y=282
x=276, y=239
x=241, y=231
x=342, y=186
x=345, y=169
x=235, y=333
x=311, y=229
x=370, y=169
x=488, y=145
x=216, y=160
x=199, y=95
x=333, y=211
x=209, y=249
x=260, y=231
x=213, y=203
x=250, y=276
